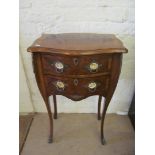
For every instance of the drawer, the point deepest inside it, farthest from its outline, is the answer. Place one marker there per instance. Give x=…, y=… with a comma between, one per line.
x=72, y=65
x=76, y=87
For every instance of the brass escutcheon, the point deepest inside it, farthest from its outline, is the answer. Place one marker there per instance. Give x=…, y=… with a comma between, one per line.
x=75, y=60
x=75, y=82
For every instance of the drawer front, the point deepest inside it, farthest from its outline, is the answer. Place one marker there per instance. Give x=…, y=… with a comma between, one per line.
x=80, y=65
x=76, y=88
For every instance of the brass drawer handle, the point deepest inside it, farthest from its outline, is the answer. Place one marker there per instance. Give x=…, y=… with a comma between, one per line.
x=93, y=66
x=59, y=66
x=92, y=86
x=60, y=85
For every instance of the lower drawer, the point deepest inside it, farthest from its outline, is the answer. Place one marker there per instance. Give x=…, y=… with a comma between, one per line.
x=76, y=89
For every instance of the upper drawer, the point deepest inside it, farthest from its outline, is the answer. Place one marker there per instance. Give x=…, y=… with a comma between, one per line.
x=76, y=65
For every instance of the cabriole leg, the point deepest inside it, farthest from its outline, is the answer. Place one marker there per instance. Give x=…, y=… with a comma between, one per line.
x=50, y=140
x=55, y=106
x=99, y=107
x=102, y=123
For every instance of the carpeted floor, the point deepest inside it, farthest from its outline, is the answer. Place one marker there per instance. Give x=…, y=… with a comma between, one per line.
x=79, y=134
x=24, y=126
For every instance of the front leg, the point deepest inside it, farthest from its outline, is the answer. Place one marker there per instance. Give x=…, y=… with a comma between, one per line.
x=115, y=71
x=41, y=85
x=102, y=121
x=50, y=140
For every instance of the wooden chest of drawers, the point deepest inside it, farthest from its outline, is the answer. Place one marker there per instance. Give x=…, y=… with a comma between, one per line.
x=77, y=66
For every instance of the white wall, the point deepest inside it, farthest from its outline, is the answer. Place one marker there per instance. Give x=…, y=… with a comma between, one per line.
x=24, y=93
x=94, y=16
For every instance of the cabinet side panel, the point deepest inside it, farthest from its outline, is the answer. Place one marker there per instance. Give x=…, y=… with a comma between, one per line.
x=39, y=74
x=115, y=72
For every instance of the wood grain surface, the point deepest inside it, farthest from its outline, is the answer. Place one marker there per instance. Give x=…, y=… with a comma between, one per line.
x=78, y=43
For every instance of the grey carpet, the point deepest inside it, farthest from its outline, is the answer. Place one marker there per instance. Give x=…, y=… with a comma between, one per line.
x=79, y=134
x=24, y=126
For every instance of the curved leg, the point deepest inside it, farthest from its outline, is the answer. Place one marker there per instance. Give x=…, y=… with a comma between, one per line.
x=55, y=106
x=102, y=122
x=99, y=107
x=41, y=85
x=50, y=140
x=115, y=71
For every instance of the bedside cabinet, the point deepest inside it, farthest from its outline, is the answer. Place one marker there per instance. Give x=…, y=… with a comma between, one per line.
x=77, y=65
